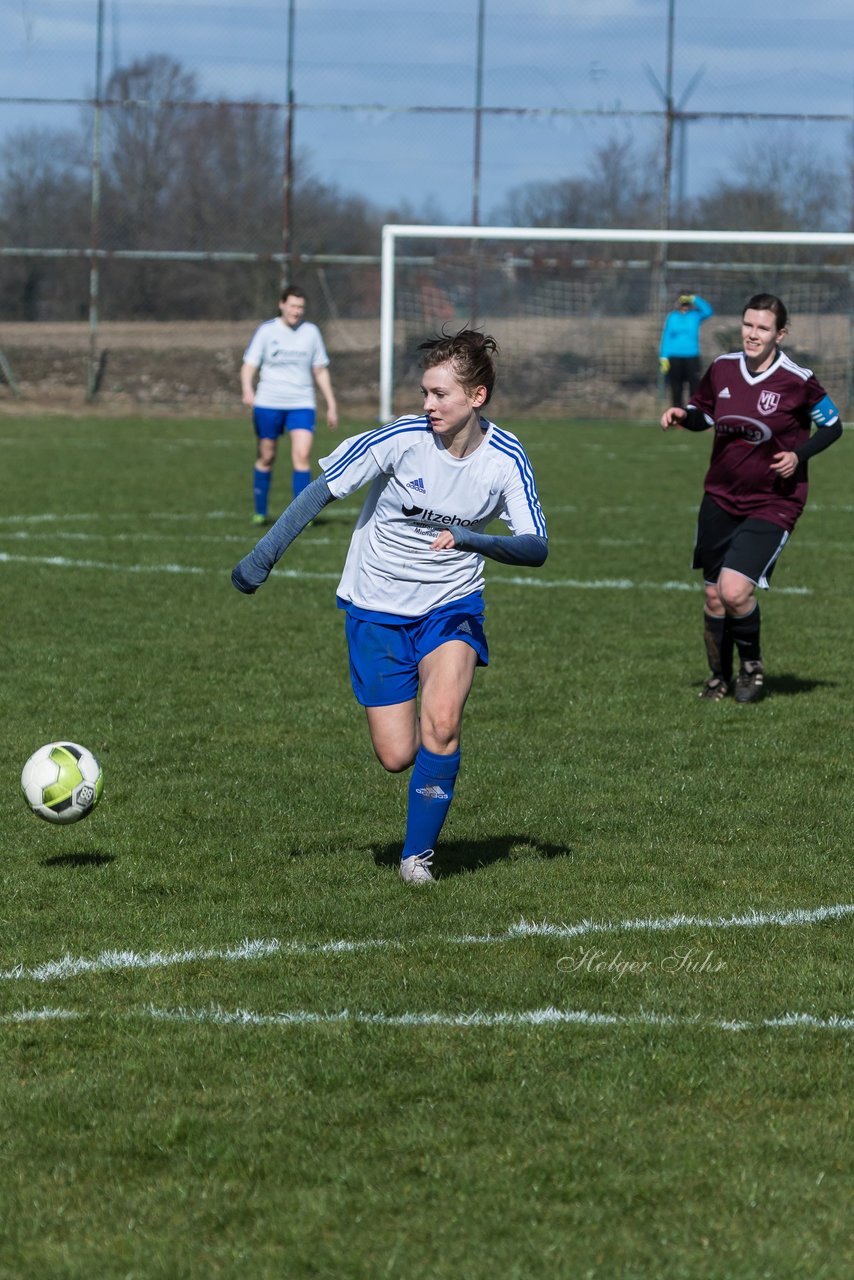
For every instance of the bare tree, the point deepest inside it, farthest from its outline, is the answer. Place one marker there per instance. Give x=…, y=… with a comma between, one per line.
x=619, y=188
x=780, y=185
x=44, y=203
x=145, y=131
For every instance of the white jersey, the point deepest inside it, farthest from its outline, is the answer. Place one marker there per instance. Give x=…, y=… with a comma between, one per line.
x=417, y=489
x=285, y=358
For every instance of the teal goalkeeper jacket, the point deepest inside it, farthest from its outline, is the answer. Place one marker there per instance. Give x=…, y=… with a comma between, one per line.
x=681, y=333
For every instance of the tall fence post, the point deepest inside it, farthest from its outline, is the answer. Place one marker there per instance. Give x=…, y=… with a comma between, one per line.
x=95, y=215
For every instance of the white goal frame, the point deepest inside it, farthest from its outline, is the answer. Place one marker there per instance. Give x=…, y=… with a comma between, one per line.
x=393, y=232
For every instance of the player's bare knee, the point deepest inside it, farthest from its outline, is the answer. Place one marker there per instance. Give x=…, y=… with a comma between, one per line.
x=713, y=601
x=736, y=599
x=393, y=759
x=441, y=735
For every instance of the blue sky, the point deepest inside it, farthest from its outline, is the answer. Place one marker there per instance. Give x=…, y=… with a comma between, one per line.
x=546, y=56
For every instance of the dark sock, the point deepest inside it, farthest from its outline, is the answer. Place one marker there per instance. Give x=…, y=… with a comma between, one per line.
x=718, y=637
x=745, y=633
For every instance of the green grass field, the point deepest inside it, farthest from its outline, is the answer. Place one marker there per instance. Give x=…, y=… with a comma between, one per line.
x=613, y=1041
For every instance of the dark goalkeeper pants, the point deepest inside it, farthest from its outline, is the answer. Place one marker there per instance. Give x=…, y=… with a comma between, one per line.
x=684, y=371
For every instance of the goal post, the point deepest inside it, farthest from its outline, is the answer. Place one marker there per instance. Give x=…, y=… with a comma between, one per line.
x=577, y=311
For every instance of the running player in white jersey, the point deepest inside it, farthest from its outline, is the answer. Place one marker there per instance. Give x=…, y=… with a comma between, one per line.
x=413, y=579
x=287, y=357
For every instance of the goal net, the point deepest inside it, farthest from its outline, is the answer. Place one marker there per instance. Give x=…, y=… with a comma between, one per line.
x=578, y=312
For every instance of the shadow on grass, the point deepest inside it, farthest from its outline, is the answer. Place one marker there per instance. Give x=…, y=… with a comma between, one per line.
x=786, y=685
x=78, y=860
x=455, y=858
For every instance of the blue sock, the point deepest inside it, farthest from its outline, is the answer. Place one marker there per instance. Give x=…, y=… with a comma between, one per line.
x=261, y=490
x=431, y=790
x=302, y=479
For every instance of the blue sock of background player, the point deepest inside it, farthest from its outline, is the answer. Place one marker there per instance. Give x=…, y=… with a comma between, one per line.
x=261, y=490
x=431, y=790
x=301, y=480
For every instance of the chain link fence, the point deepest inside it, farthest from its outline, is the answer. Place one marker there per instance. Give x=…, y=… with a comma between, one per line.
x=164, y=168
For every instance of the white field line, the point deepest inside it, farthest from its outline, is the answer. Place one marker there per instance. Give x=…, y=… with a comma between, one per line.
x=26, y=535
x=65, y=562
x=666, y=924
x=246, y=540
x=53, y=517
x=549, y=1016
x=40, y=1015
x=254, y=949
x=105, y=566
x=170, y=444
x=577, y=584
x=124, y=517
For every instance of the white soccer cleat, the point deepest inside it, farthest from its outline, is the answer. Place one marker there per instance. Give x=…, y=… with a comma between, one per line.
x=416, y=868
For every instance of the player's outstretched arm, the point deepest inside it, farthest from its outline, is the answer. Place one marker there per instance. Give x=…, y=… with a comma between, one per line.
x=519, y=548
x=254, y=569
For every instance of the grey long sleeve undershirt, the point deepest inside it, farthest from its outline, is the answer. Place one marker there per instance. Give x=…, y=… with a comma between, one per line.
x=254, y=569
x=519, y=548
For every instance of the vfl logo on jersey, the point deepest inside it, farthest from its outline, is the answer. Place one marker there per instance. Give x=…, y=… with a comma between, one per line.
x=746, y=429
x=417, y=485
x=768, y=401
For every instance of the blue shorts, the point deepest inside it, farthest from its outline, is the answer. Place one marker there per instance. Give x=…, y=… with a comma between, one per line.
x=270, y=423
x=384, y=656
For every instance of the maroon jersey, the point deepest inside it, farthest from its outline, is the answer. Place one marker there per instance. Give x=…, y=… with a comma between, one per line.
x=756, y=415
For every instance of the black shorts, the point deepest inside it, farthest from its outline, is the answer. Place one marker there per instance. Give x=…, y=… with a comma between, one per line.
x=745, y=545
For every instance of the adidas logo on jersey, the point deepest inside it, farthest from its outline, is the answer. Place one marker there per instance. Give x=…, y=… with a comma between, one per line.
x=724, y=395
x=466, y=627
x=417, y=485
x=433, y=792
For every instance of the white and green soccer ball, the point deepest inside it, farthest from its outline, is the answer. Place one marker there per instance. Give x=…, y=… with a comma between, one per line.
x=62, y=782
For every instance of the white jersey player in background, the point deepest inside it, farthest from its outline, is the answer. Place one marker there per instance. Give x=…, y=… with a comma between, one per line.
x=413, y=579
x=287, y=357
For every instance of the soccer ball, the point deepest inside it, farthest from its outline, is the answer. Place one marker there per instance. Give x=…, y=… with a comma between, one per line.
x=62, y=782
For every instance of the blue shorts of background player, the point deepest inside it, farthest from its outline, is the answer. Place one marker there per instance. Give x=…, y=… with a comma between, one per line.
x=385, y=652
x=271, y=423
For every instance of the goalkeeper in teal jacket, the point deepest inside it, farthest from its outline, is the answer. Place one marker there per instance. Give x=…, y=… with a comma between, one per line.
x=679, y=350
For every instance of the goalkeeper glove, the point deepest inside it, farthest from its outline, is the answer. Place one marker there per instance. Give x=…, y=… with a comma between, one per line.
x=664, y=364
x=686, y=299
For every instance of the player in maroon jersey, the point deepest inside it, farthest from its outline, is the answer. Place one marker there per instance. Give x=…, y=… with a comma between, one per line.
x=762, y=407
